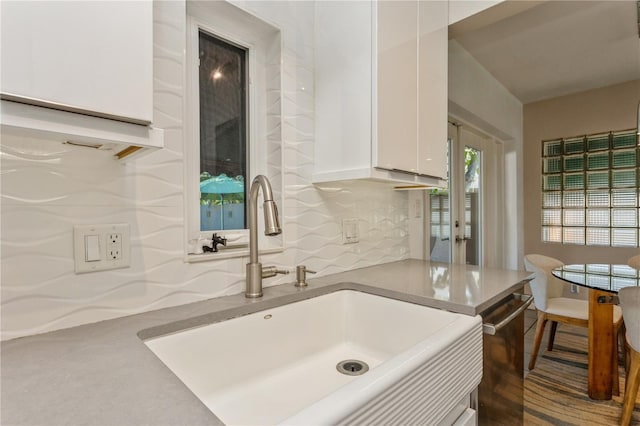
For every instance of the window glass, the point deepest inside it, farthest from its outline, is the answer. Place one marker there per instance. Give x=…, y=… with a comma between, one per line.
x=223, y=134
x=590, y=190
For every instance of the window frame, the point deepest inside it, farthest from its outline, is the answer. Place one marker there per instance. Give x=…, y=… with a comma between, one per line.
x=247, y=120
x=245, y=37
x=563, y=157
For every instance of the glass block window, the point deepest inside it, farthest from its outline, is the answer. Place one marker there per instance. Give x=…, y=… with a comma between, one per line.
x=590, y=190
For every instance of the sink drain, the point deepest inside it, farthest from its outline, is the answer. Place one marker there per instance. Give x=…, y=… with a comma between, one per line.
x=352, y=367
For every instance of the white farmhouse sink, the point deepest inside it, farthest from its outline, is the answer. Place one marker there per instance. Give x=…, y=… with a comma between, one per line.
x=279, y=365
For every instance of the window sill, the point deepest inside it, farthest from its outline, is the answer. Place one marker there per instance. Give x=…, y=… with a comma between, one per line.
x=228, y=254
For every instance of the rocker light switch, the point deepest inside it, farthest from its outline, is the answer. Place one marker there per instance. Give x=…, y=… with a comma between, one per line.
x=92, y=248
x=101, y=247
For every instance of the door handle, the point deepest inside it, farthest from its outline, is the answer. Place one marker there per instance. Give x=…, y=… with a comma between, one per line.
x=465, y=238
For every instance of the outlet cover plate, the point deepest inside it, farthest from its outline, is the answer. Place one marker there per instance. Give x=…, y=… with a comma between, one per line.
x=83, y=234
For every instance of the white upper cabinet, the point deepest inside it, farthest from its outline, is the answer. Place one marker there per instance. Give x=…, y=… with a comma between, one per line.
x=91, y=58
x=432, y=88
x=381, y=91
x=396, y=84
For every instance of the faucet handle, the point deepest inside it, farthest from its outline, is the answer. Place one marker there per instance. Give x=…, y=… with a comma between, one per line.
x=272, y=271
x=301, y=275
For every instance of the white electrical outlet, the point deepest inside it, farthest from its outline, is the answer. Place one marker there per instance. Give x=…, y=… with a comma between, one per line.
x=114, y=242
x=101, y=247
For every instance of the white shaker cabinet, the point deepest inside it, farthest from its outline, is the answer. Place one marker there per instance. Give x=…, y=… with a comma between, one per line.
x=86, y=58
x=381, y=91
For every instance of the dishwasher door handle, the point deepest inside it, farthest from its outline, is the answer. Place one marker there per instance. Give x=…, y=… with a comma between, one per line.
x=492, y=329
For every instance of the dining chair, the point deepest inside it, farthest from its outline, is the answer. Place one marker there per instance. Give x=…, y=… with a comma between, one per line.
x=634, y=262
x=551, y=306
x=630, y=303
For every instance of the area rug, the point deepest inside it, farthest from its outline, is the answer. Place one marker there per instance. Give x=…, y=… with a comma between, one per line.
x=556, y=390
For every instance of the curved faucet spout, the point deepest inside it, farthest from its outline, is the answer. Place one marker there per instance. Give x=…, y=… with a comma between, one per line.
x=271, y=227
x=271, y=222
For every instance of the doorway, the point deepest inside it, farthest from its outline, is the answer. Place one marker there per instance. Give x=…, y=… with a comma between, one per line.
x=464, y=217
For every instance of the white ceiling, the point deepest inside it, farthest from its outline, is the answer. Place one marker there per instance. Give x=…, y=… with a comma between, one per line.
x=546, y=49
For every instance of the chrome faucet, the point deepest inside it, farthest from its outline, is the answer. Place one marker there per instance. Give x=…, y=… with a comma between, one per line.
x=255, y=271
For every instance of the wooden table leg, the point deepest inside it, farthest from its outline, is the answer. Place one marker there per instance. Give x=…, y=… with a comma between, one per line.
x=601, y=342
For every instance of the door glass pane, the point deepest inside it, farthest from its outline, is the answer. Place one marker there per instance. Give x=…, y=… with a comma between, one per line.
x=472, y=187
x=223, y=136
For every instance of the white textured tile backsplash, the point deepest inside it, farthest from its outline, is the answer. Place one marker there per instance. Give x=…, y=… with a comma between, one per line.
x=47, y=188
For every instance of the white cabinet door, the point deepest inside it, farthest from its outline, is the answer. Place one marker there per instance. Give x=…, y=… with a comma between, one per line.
x=432, y=88
x=87, y=56
x=397, y=68
x=372, y=96
x=343, y=85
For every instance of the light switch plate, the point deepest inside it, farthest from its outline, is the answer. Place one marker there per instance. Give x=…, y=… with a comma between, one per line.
x=350, y=231
x=110, y=251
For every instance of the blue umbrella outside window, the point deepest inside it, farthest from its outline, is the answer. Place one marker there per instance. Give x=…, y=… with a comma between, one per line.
x=221, y=185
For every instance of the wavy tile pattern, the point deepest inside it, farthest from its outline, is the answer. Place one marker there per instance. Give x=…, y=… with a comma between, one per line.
x=46, y=188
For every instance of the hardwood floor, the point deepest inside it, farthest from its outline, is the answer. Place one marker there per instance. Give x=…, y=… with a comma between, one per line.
x=556, y=390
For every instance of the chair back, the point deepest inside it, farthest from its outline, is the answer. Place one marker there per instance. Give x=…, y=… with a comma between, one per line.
x=630, y=304
x=544, y=286
x=634, y=262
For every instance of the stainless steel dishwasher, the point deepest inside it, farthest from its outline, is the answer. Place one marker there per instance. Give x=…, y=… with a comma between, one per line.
x=501, y=392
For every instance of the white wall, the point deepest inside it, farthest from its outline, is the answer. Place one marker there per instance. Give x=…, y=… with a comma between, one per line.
x=46, y=188
x=477, y=98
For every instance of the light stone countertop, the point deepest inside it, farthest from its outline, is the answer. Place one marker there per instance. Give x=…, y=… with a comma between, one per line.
x=103, y=374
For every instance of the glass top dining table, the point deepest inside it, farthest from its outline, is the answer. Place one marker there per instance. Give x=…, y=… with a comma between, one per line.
x=599, y=276
x=603, y=281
